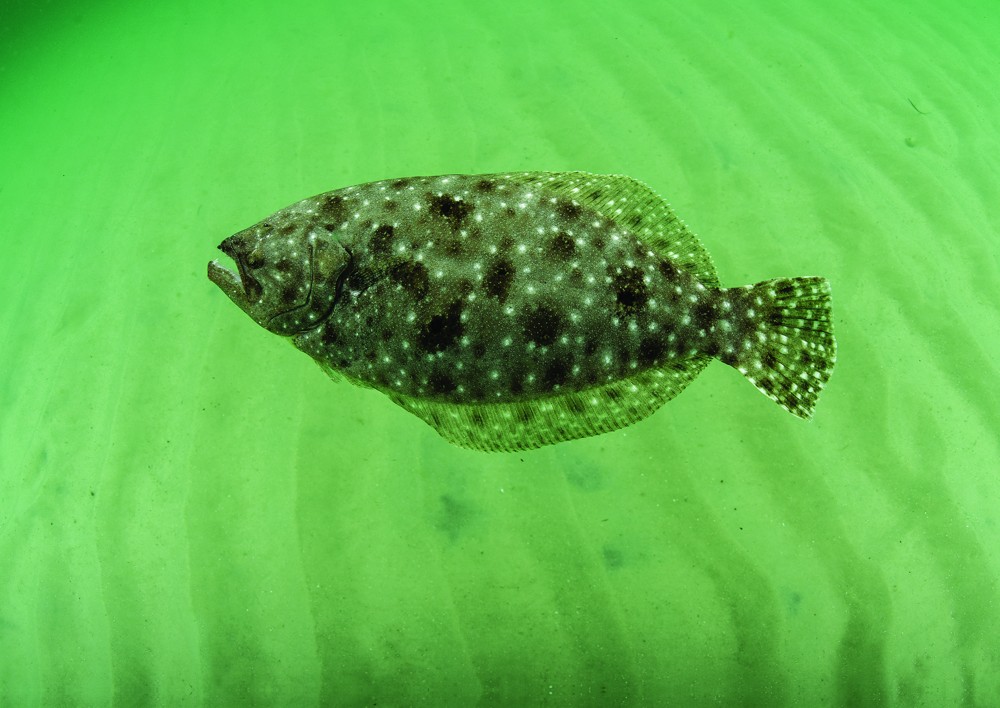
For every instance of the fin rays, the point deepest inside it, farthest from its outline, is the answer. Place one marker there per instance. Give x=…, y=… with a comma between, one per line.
x=531, y=424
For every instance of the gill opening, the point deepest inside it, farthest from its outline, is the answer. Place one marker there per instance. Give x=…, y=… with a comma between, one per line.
x=345, y=271
x=307, y=304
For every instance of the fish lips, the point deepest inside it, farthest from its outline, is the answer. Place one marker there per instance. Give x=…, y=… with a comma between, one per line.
x=242, y=288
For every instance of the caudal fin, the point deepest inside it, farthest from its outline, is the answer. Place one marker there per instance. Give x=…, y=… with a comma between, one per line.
x=788, y=350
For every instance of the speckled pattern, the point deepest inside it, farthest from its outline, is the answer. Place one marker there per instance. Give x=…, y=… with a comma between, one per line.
x=192, y=515
x=529, y=288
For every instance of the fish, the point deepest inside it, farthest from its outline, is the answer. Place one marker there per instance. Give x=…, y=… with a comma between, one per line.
x=516, y=310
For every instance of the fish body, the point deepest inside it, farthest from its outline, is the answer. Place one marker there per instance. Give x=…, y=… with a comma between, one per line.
x=511, y=311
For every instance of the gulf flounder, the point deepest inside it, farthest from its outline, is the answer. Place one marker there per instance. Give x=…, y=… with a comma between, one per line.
x=511, y=311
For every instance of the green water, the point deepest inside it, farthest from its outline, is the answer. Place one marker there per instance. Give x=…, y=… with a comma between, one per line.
x=192, y=514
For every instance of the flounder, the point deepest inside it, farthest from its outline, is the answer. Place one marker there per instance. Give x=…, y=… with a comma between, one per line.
x=511, y=311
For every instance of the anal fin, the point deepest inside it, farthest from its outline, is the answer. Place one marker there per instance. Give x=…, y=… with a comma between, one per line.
x=523, y=425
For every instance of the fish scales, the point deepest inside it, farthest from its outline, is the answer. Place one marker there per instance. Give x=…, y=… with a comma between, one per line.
x=516, y=310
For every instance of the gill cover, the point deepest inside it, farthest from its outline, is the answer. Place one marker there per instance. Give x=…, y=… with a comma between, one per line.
x=287, y=276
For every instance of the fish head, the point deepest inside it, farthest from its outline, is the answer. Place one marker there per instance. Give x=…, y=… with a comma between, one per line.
x=287, y=275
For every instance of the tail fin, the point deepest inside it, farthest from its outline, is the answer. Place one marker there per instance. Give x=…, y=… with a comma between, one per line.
x=788, y=350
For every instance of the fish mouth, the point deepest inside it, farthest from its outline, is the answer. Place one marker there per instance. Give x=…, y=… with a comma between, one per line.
x=242, y=288
x=228, y=281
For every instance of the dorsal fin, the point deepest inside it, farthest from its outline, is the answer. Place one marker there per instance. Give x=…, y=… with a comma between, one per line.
x=636, y=208
x=523, y=425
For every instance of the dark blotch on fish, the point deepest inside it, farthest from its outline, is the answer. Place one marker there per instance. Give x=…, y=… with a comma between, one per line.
x=442, y=330
x=412, y=275
x=542, y=325
x=498, y=279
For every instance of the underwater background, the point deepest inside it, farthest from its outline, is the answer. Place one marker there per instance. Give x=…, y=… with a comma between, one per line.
x=191, y=513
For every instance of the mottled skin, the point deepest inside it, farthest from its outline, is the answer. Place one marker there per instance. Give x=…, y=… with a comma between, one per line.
x=472, y=289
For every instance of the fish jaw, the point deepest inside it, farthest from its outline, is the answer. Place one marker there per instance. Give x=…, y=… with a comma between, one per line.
x=240, y=285
x=230, y=283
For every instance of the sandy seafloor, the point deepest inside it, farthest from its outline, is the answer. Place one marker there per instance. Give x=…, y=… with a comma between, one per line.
x=192, y=514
